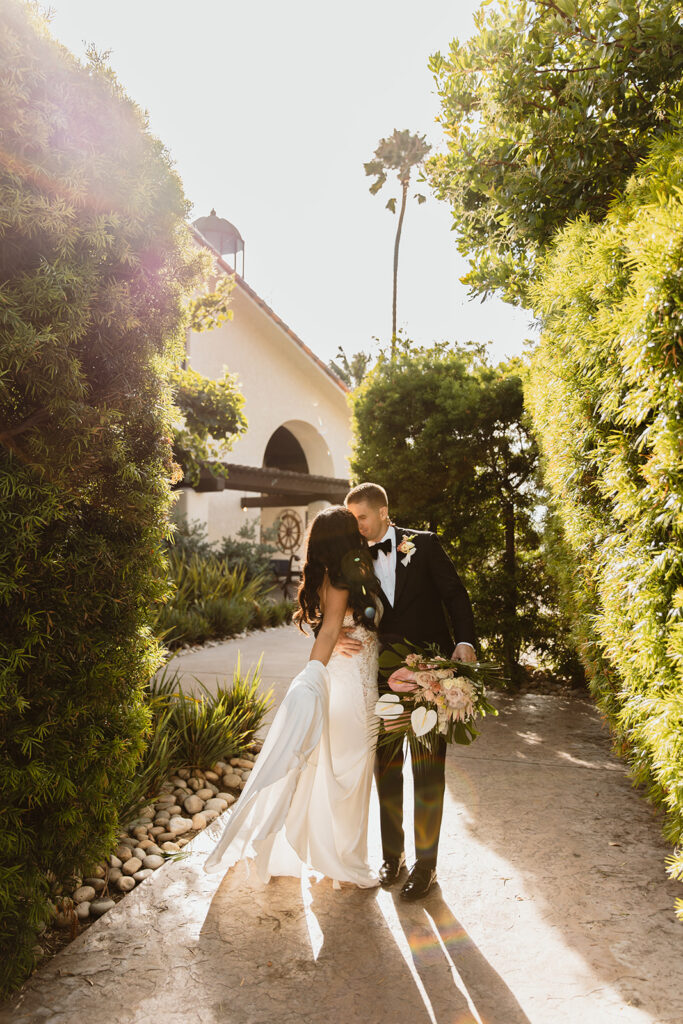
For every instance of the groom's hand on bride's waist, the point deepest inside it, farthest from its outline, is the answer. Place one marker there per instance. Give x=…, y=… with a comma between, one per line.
x=347, y=644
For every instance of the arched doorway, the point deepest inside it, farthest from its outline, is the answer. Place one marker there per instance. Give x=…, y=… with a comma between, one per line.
x=284, y=451
x=314, y=446
x=293, y=447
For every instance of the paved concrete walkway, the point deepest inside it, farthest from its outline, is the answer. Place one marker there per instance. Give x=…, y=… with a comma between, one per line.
x=281, y=650
x=553, y=905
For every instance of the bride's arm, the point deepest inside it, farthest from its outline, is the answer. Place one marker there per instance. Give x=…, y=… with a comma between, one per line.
x=335, y=604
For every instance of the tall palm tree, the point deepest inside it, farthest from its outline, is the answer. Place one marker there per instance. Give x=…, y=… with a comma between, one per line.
x=401, y=152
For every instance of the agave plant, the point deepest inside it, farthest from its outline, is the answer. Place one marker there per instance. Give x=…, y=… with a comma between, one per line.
x=199, y=579
x=206, y=731
x=244, y=693
x=210, y=600
x=196, y=730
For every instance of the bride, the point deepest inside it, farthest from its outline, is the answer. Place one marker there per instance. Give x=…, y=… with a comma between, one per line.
x=306, y=802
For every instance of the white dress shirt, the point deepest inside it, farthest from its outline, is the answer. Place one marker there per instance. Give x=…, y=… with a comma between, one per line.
x=385, y=566
x=385, y=570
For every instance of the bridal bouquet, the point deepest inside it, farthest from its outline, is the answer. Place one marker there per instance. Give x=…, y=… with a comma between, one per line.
x=431, y=696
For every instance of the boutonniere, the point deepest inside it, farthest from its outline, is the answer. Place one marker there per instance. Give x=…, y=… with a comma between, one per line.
x=407, y=548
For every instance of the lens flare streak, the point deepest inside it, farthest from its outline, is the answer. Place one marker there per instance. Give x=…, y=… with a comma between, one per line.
x=456, y=937
x=386, y=905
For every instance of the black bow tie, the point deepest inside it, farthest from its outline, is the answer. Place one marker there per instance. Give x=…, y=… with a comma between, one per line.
x=384, y=545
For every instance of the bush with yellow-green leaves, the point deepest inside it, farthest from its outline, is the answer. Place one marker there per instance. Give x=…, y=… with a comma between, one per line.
x=605, y=389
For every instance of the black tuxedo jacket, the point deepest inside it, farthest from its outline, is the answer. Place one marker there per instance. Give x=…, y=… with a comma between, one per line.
x=431, y=605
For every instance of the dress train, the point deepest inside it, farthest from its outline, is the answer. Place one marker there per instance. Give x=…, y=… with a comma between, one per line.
x=307, y=798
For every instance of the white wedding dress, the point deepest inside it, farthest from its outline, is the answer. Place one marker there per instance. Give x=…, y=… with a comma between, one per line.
x=307, y=799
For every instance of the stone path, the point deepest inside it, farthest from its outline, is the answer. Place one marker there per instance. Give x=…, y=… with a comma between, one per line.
x=553, y=905
x=283, y=651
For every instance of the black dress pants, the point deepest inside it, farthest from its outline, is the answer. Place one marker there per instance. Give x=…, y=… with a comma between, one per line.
x=429, y=785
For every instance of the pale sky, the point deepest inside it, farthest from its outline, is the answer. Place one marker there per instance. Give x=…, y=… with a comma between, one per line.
x=269, y=110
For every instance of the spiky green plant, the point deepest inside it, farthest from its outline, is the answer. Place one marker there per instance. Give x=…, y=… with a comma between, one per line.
x=161, y=753
x=207, y=726
x=206, y=731
x=190, y=730
x=279, y=612
x=200, y=578
x=211, y=600
x=244, y=693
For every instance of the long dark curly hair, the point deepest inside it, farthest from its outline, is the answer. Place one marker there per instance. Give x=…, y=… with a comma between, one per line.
x=335, y=546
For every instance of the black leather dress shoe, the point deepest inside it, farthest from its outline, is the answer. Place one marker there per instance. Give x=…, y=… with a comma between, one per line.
x=420, y=881
x=391, y=869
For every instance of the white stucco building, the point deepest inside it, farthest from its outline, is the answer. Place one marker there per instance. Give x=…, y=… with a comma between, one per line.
x=293, y=459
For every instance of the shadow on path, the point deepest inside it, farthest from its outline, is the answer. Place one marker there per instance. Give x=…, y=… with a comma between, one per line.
x=302, y=956
x=555, y=835
x=287, y=953
x=553, y=862
x=458, y=980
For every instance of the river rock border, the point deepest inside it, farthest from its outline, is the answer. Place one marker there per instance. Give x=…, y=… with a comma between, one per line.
x=187, y=803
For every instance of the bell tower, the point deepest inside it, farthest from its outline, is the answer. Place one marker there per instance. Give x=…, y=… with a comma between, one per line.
x=222, y=236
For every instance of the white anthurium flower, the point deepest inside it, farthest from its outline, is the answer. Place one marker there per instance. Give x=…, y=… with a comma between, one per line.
x=389, y=706
x=423, y=720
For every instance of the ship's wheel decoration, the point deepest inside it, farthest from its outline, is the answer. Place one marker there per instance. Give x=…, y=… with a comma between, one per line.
x=289, y=531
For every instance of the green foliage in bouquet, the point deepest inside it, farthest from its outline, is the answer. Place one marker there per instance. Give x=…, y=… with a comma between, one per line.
x=606, y=392
x=95, y=266
x=548, y=108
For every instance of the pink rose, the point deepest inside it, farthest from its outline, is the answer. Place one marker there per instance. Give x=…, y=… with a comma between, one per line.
x=426, y=678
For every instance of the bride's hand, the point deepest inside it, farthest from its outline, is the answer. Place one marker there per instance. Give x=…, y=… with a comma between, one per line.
x=346, y=644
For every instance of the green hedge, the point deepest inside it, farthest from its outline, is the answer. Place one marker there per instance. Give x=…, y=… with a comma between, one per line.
x=606, y=392
x=94, y=265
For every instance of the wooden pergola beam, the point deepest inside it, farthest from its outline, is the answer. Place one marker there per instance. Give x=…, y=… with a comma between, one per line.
x=280, y=500
x=283, y=486
x=305, y=487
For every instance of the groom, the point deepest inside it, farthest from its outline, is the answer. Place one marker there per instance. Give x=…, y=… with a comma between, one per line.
x=418, y=585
